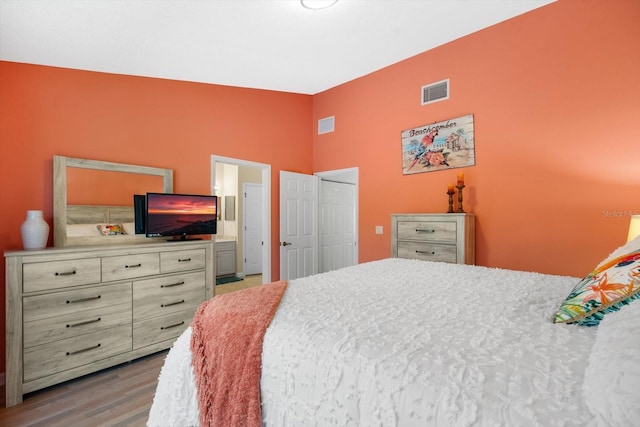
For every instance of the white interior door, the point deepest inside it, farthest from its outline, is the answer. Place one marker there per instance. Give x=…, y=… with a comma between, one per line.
x=252, y=226
x=298, y=225
x=337, y=225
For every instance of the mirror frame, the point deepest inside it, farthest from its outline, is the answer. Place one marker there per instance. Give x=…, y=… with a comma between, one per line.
x=60, y=165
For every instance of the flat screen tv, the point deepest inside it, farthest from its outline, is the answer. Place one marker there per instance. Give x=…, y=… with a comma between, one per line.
x=180, y=215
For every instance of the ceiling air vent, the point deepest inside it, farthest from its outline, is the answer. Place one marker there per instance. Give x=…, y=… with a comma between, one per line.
x=326, y=125
x=438, y=91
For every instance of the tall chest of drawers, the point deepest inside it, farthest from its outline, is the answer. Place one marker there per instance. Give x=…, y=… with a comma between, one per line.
x=434, y=237
x=73, y=311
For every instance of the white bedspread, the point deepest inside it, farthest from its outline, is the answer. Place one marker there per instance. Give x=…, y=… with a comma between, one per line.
x=411, y=343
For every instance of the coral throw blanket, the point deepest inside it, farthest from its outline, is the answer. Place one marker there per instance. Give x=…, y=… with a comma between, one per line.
x=226, y=347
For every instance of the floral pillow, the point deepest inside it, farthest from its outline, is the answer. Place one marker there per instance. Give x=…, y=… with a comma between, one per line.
x=111, y=229
x=610, y=286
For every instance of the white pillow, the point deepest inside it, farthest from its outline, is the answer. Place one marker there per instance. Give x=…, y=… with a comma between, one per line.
x=612, y=380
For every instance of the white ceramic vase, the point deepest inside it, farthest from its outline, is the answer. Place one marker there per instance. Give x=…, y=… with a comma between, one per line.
x=35, y=231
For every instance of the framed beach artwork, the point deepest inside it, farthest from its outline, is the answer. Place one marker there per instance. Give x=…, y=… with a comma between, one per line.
x=438, y=146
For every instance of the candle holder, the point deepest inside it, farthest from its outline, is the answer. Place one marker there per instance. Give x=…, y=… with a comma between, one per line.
x=460, y=187
x=450, y=193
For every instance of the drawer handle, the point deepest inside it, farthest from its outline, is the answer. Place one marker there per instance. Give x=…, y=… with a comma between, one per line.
x=71, y=353
x=73, y=301
x=133, y=266
x=184, y=260
x=162, y=328
x=421, y=230
x=86, y=322
x=425, y=252
x=66, y=273
x=172, y=285
x=172, y=303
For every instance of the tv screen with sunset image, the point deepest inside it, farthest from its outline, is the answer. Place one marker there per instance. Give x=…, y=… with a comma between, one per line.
x=180, y=214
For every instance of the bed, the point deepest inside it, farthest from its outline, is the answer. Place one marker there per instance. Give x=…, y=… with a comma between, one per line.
x=401, y=342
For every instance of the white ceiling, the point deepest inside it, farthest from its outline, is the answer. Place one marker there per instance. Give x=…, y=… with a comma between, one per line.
x=264, y=44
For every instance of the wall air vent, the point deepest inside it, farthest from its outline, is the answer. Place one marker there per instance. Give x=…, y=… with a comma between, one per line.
x=438, y=91
x=326, y=125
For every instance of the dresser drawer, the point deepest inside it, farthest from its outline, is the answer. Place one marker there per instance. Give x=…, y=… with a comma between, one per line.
x=130, y=266
x=166, y=295
x=174, y=261
x=78, y=300
x=39, y=276
x=427, y=251
x=59, y=356
x=74, y=324
x=427, y=230
x=162, y=328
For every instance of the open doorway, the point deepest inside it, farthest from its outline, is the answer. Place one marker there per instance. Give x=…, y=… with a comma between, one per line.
x=218, y=162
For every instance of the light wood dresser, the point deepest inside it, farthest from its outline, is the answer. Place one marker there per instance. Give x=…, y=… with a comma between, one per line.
x=434, y=237
x=73, y=311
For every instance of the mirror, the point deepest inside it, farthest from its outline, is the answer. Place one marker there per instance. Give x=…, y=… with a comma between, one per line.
x=88, y=193
x=98, y=187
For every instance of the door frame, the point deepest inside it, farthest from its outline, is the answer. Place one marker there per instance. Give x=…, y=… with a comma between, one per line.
x=266, y=204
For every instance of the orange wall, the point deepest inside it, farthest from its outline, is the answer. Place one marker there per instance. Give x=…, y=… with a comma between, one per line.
x=95, y=187
x=46, y=111
x=555, y=95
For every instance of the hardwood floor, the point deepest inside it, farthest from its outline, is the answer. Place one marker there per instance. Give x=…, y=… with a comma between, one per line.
x=247, y=282
x=119, y=396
